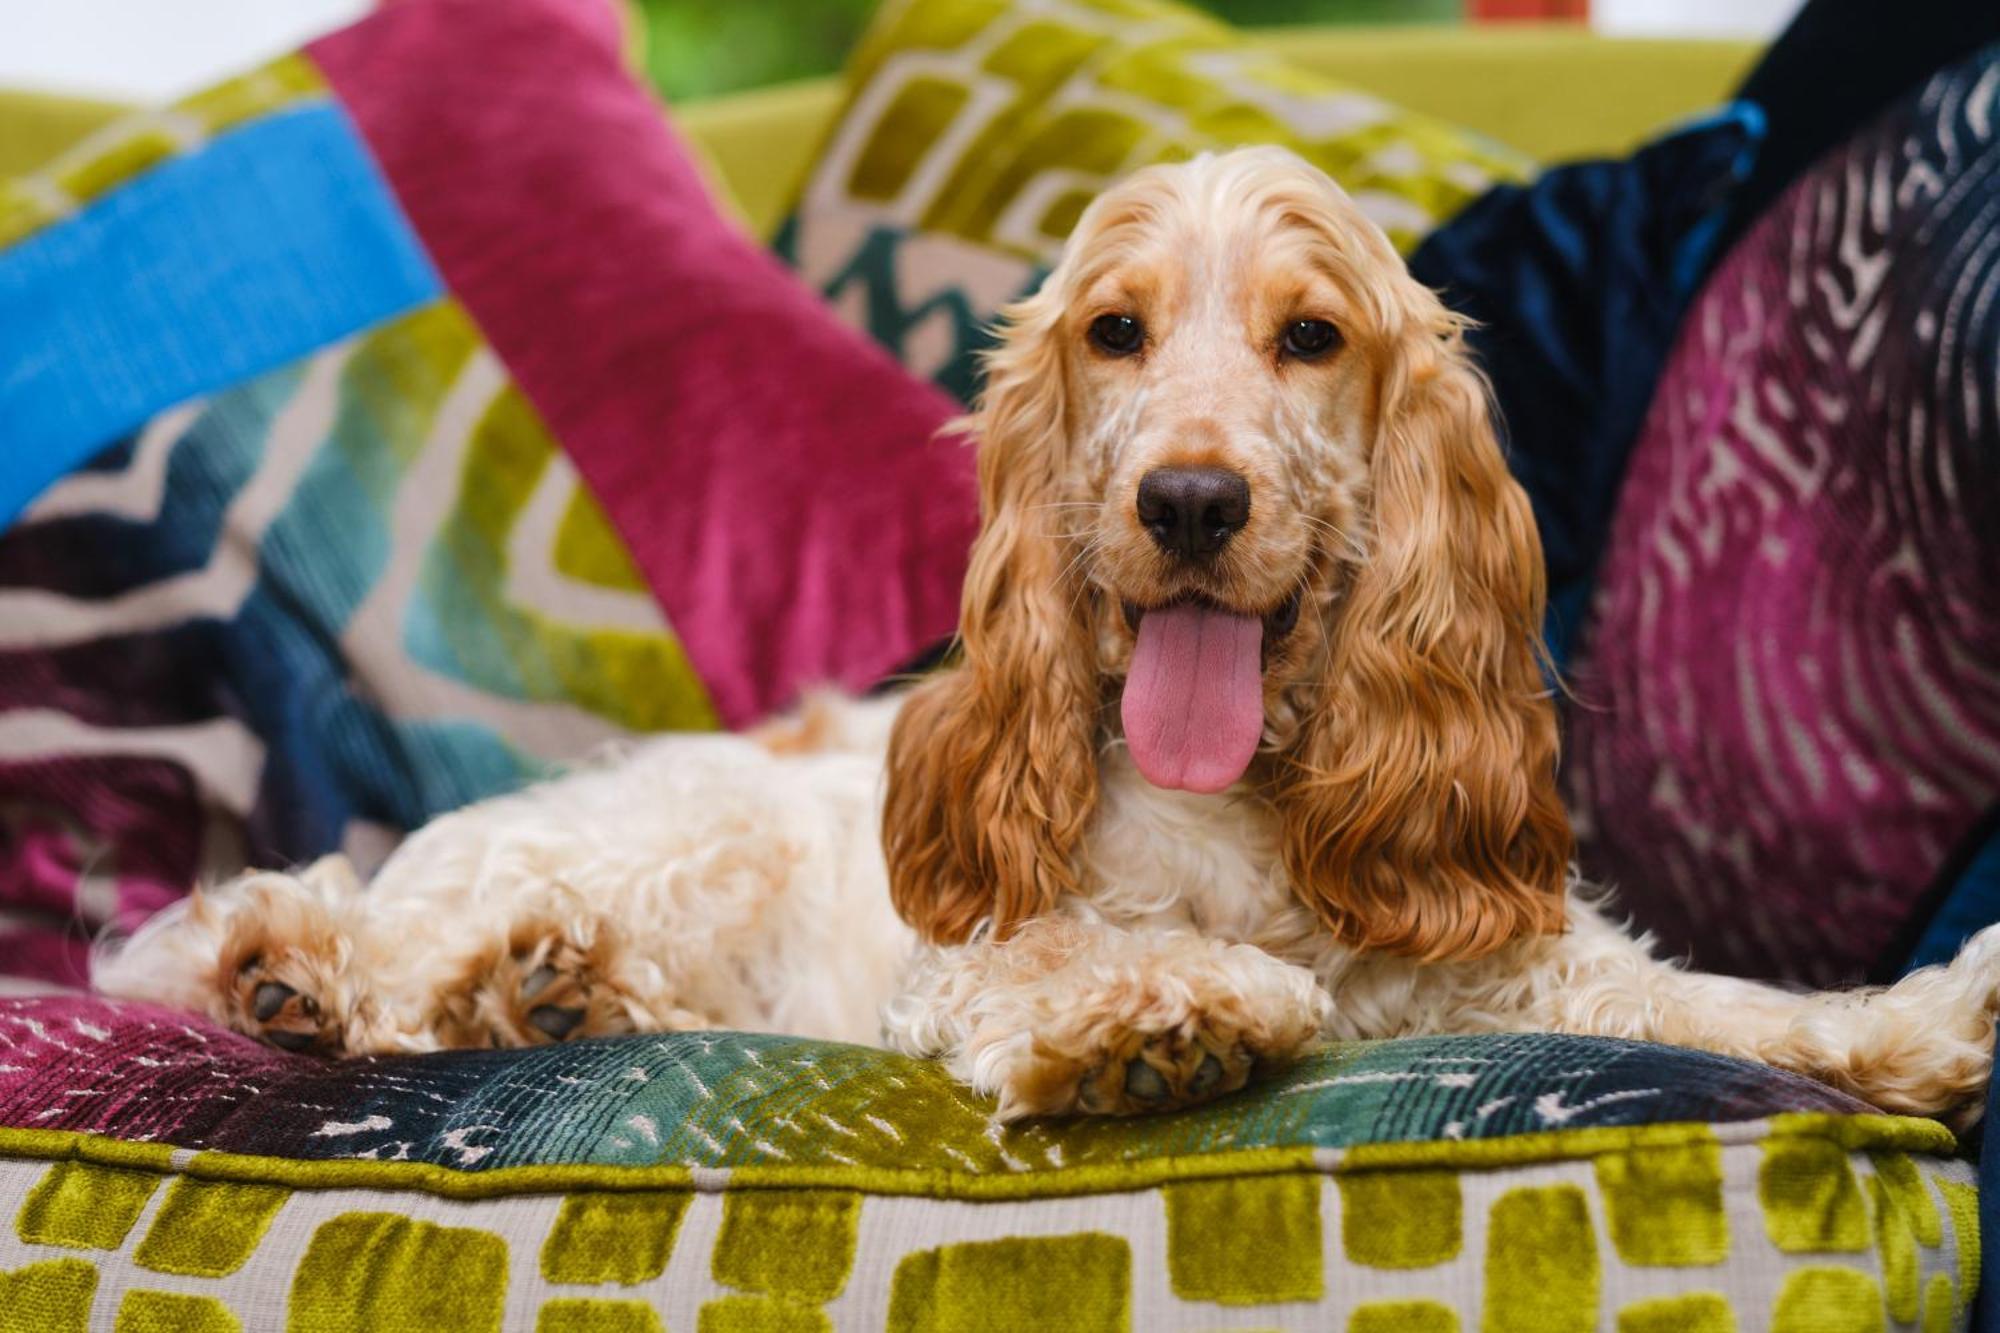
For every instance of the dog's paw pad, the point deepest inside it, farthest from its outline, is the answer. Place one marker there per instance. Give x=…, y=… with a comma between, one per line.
x=553, y=1000
x=1163, y=1072
x=537, y=984
x=556, y=1022
x=1145, y=1084
x=280, y=1013
x=269, y=998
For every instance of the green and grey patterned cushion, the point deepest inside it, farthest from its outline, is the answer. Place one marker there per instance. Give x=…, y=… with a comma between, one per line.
x=1804, y=1224
x=161, y=1175
x=975, y=131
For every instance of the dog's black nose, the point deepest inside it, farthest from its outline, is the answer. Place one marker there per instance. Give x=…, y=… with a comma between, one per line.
x=1192, y=511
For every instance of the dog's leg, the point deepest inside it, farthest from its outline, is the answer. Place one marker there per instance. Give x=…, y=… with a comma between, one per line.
x=1072, y=1014
x=1923, y=1045
x=690, y=882
x=271, y=955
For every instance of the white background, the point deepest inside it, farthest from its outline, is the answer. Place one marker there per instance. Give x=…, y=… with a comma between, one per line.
x=150, y=50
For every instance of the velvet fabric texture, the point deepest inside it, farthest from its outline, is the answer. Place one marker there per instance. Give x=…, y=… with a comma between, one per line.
x=1787, y=714
x=1577, y=281
x=553, y=457
x=719, y=1181
x=774, y=476
x=137, y=1073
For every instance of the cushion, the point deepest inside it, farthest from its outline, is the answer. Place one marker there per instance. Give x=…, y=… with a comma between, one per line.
x=1968, y=896
x=1882, y=52
x=1576, y=283
x=438, y=430
x=1788, y=717
x=1577, y=279
x=975, y=131
x=721, y=1181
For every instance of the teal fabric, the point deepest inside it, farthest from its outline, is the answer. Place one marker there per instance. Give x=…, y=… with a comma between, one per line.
x=731, y=1099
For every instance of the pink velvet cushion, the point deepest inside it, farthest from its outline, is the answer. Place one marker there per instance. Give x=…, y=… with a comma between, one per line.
x=1788, y=709
x=773, y=472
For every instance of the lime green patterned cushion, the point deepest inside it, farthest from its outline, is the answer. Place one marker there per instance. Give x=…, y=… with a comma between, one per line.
x=1796, y=1223
x=159, y=1175
x=975, y=131
x=998, y=120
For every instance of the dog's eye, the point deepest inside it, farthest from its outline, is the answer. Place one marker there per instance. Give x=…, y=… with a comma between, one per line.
x=1307, y=339
x=1118, y=335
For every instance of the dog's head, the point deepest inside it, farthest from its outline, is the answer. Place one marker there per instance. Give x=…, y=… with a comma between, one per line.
x=1244, y=507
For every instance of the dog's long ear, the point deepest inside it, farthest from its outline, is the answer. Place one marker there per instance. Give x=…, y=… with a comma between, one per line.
x=1419, y=806
x=992, y=764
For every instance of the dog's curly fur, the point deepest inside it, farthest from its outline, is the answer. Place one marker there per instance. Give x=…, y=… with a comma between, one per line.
x=1072, y=938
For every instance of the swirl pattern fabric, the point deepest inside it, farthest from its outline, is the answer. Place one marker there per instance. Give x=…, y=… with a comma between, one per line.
x=1788, y=708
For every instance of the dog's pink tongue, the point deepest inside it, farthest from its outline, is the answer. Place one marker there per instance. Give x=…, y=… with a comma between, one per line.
x=1194, y=697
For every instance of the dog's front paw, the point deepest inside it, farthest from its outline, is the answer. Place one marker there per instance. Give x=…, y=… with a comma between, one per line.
x=545, y=982
x=1167, y=1070
x=553, y=978
x=284, y=971
x=272, y=1000
x=1155, y=1043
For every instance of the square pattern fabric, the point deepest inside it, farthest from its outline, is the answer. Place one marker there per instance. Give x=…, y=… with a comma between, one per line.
x=723, y=1181
x=975, y=131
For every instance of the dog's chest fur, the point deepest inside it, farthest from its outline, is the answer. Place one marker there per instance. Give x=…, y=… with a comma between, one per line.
x=1179, y=858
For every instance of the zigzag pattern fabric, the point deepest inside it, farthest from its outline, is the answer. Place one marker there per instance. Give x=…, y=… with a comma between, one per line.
x=372, y=451
x=306, y=614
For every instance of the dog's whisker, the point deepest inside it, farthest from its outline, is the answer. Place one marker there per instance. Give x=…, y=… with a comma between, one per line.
x=1089, y=547
x=1347, y=542
x=1092, y=548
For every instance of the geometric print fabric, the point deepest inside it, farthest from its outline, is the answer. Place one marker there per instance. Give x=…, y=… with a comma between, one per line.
x=1788, y=1230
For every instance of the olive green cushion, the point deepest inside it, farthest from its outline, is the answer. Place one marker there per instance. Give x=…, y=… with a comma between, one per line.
x=996, y=121
x=35, y=127
x=1553, y=91
x=1805, y=1224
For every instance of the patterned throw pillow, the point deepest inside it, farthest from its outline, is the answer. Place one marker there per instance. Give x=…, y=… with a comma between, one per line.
x=436, y=434
x=975, y=131
x=1788, y=708
x=717, y=1181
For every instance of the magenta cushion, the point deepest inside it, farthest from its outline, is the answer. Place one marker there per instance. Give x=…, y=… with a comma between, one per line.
x=772, y=471
x=1788, y=709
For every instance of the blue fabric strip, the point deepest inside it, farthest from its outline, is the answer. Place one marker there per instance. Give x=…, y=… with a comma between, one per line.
x=270, y=242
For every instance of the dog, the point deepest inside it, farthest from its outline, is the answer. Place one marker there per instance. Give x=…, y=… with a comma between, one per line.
x=1248, y=744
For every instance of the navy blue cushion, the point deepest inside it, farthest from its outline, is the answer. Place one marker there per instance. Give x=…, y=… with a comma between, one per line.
x=1578, y=282
x=1969, y=898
